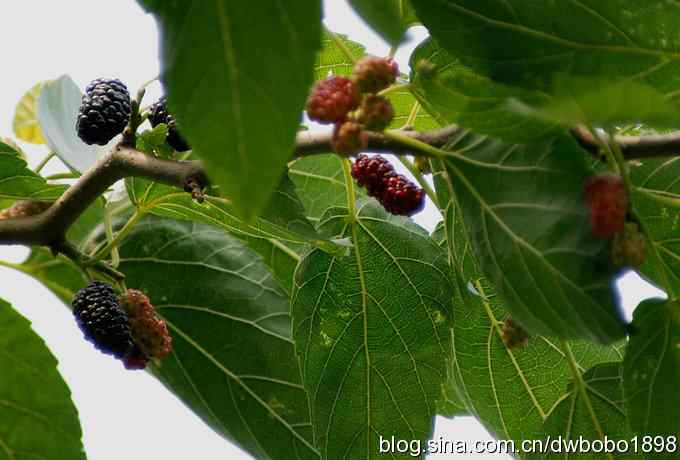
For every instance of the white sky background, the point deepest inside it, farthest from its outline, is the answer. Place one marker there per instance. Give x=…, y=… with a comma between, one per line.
x=129, y=414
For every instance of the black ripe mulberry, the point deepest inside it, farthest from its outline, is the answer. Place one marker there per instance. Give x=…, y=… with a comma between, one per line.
x=104, y=112
x=395, y=192
x=332, y=99
x=158, y=113
x=102, y=320
x=373, y=74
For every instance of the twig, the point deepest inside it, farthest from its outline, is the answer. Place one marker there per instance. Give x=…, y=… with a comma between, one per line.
x=83, y=261
x=632, y=147
x=50, y=227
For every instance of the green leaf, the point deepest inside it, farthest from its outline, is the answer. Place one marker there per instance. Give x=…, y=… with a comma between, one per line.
x=58, y=106
x=510, y=390
x=233, y=362
x=605, y=102
x=454, y=93
x=237, y=76
x=279, y=234
x=384, y=16
x=371, y=333
x=453, y=400
x=656, y=198
x=320, y=183
x=17, y=182
x=652, y=370
x=153, y=142
x=407, y=13
x=555, y=44
x=592, y=411
x=25, y=124
x=38, y=418
x=337, y=55
x=60, y=275
x=522, y=205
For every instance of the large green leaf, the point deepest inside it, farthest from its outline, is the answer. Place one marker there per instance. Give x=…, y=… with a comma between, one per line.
x=337, y=55
x=572, y=50
x=385, y=16
x=238, y=74
x=37, y=416
x=60, y=275
x=454, y=93
x=17, y=182
x=453, y=399
x=233, y=360
x=656, y=198
x=522, y=205
x=592, y=411
x=320, y=183
x=511, y=390
x=278, y=234
x=371, y=332
x=652, y=370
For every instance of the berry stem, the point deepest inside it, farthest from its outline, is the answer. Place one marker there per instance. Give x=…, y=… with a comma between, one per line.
x=108, y=227
x=60, y=176
x=408, y=164
x=349, y=187
x=623, y=167
x=114, y=242
x=413, y=143
x=395, y=88
x=85, y=262
x=44, y=162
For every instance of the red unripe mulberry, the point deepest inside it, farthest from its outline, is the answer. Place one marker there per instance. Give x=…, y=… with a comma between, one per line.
x=607, y=201
x=332, y=99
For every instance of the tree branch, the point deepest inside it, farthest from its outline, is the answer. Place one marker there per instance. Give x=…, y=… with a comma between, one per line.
x=50, y=227
x=632, y=147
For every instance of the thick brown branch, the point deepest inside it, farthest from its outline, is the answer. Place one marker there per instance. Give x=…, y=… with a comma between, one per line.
x=50, y=227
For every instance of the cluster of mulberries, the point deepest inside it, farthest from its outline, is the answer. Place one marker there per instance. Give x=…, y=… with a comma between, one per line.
x=607, y=201
x=353, y=105
x=125, y=327
x=395, y=192
x=106, y=109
